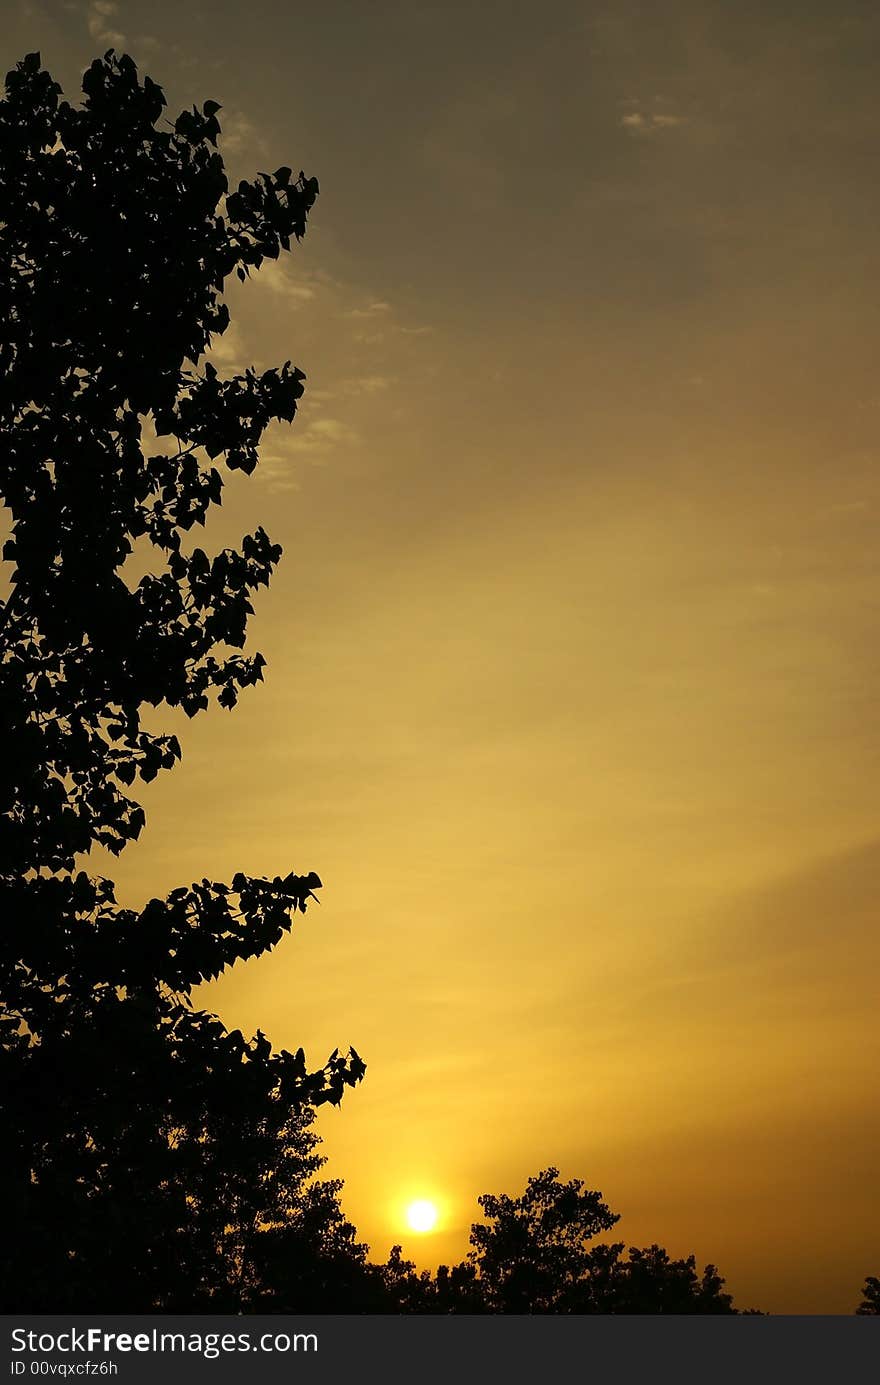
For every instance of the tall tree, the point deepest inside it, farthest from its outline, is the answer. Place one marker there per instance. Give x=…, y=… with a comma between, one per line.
x=533, y=1254
x=531, y=1251
x=117, y=236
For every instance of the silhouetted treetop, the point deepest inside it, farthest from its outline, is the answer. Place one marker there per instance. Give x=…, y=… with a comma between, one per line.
x=870, y=1304
x=533, y=1254
x=530, y=1248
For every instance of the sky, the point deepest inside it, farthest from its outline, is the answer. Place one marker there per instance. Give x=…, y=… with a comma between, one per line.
x=573, y=667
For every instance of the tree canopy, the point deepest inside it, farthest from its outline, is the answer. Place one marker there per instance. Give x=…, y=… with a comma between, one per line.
x=870, y=1304
x=118, y=234
x=536, y=1254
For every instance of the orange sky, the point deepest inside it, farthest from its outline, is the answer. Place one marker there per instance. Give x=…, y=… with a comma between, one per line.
x=573, y=660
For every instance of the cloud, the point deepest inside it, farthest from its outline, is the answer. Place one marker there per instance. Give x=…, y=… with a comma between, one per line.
x=648, y=123
x=367, y=384
x=276, y=471
x=238, y=133
x=372, y=311
x=98, y=17
x=322, y=436
x=368, y=338
x=228, y=351
x=376, y=322
x=278, y=278
x=312, y=444
x=391, y=329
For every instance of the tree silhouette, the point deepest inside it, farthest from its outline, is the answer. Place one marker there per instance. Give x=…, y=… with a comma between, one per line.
x=147, y=1148
x=870, y=1304
x=400, y=1288
x=531, y=1251
x=532, y=1254
x=648, y=1281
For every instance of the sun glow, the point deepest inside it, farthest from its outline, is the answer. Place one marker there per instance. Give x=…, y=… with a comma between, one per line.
x=421, y=1215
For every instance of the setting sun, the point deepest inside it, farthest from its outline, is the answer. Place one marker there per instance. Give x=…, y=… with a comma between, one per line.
x=421, y=1215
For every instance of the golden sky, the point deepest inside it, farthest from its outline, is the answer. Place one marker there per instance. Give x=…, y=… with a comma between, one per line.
x=573, y=683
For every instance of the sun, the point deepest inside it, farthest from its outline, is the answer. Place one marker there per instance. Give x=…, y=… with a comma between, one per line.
x=421, y=1215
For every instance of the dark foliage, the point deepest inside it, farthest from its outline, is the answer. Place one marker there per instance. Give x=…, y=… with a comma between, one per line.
x=532, y=1254
x=870, y=1304
x=148, y=1149
x=532, y=1251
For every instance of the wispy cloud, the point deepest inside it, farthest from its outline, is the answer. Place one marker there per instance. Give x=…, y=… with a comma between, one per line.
x=229, y=352
x=367, y=384
x=373, y=310
x=393, y=329
x=277, y=471
x=311, y=443
x=323, y=435
x=99, y=17
x=376, y=321
x=282, y=279
x=238, y=133
x=641, y=122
